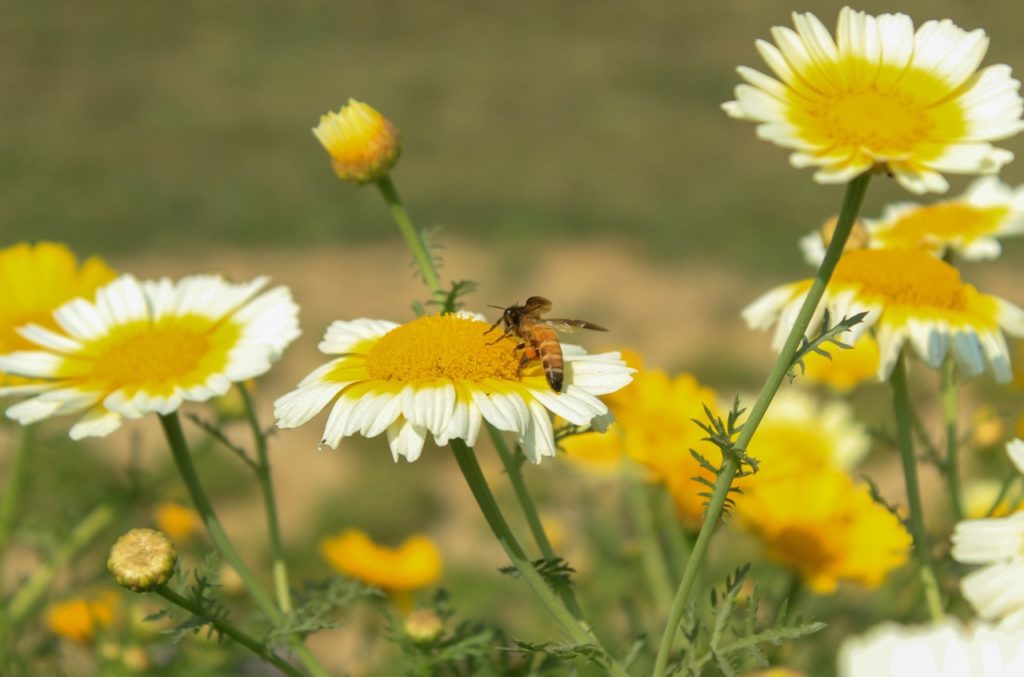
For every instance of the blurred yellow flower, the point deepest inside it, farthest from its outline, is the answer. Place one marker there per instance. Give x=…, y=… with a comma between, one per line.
x=79, y=619
x=362, y=143
x=988, y=427
x=802, y=503
x=825, y=527
x=37, y=279
x=179, y=523
x=847, y=368
x=415, y=564
x=881, y=94
x=979, y=495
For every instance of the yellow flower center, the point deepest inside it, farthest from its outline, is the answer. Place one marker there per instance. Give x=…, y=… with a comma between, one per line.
x=155, y=356
x=443, y=347
x=944, y=222
x=908, y=277
x=888, y=117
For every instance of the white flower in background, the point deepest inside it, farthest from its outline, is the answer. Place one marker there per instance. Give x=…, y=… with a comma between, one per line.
x=910, y=297
x=444, y=375
x=996, y=591
x=146, y=347
x=941, y=650
x=881, y=94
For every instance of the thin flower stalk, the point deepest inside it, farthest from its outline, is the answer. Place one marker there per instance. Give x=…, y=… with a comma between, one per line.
x=12, y=489
x=852, y=200
x=412, y=238
x=901, y=406
x=652, y=557
x=226, y=628
x=950, y=410
x=677, y=538
x=182, y=459
x=280, y=567
x=513, y=467
x=578, y=630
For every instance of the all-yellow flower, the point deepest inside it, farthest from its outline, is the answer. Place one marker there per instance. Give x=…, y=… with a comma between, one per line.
x=178, y=522
x=362, y=143
x=146, y=347
x=37, y=279
x=882, y=94
x=443, y=375
x=909, y=296
x=414, y=564
x=79, y=619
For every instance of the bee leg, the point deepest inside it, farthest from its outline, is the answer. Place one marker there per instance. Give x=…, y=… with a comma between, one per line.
x=528, y=354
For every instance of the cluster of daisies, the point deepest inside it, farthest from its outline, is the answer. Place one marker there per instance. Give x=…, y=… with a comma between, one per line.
x=80, y=340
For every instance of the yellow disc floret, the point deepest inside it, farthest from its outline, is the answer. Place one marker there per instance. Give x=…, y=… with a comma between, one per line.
x=156, y=356
x=442, y=347
x=948, y=221
x=362, y=143
x=909, y=277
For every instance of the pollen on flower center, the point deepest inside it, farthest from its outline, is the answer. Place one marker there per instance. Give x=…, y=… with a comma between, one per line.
x=153, y=353
x=946, y=221
x=882, y=122
x=442, y=346
x=909, y=277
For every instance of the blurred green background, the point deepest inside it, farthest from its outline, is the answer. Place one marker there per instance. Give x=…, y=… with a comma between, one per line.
x=132, y=126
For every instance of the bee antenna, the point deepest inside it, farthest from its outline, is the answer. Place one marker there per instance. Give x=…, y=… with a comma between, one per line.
x=493, y=306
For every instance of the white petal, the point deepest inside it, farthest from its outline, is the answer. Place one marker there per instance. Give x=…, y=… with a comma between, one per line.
x=302, y=404
x=97, y=423
x=406, y=440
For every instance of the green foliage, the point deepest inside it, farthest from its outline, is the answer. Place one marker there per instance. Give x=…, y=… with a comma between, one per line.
x=829, y=334
x=205, y=580
x=556, y=572
x=735, y=642
x=317, y=607
x=722, y=434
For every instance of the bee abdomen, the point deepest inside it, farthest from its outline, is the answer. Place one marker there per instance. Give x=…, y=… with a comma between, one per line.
x=554, y=365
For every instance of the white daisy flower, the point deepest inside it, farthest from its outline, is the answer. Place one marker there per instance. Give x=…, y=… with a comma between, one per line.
x=996, y=591
x=909, y=295
x=967, y=225
x=944, y=649
x=444, y=375
x=881, y=93
x=145, y=347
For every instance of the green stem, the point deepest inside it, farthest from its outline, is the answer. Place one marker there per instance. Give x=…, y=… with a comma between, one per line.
x=652, y=557
x=513, y=468
x=226, y=628
x=280, y=567
x=182, y=458
x=12, y=490
x=35, y=588
x=949, y=412
x=852, y=199
x=901, y=406
x=1004, y=490
x=412, y=238
x=578, y=630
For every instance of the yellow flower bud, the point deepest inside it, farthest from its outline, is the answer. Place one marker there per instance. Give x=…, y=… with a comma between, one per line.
x=142, y=560
x=363, y=144
x=423, y=626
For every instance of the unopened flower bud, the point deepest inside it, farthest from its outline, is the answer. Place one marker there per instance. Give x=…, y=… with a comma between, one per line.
x=362, y=143
x=423, y=626
x=142, y=560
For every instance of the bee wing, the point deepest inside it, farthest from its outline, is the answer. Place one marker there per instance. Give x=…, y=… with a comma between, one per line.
x=572, y=325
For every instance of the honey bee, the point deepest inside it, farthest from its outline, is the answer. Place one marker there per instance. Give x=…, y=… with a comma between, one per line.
x=538, y=336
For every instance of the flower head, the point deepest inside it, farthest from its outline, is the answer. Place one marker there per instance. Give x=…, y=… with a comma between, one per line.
x=967, y=225
x=142, y=560
x=37, y=279
x=145, y=347
x=834, y=530
x=415, y=564
x=940, y=650
x=881, y=93
x=443, y=375
x=79, y=619
x=362, y=143
x=909, y=295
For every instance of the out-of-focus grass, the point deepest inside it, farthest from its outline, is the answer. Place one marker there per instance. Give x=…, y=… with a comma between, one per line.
x=131, y=126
